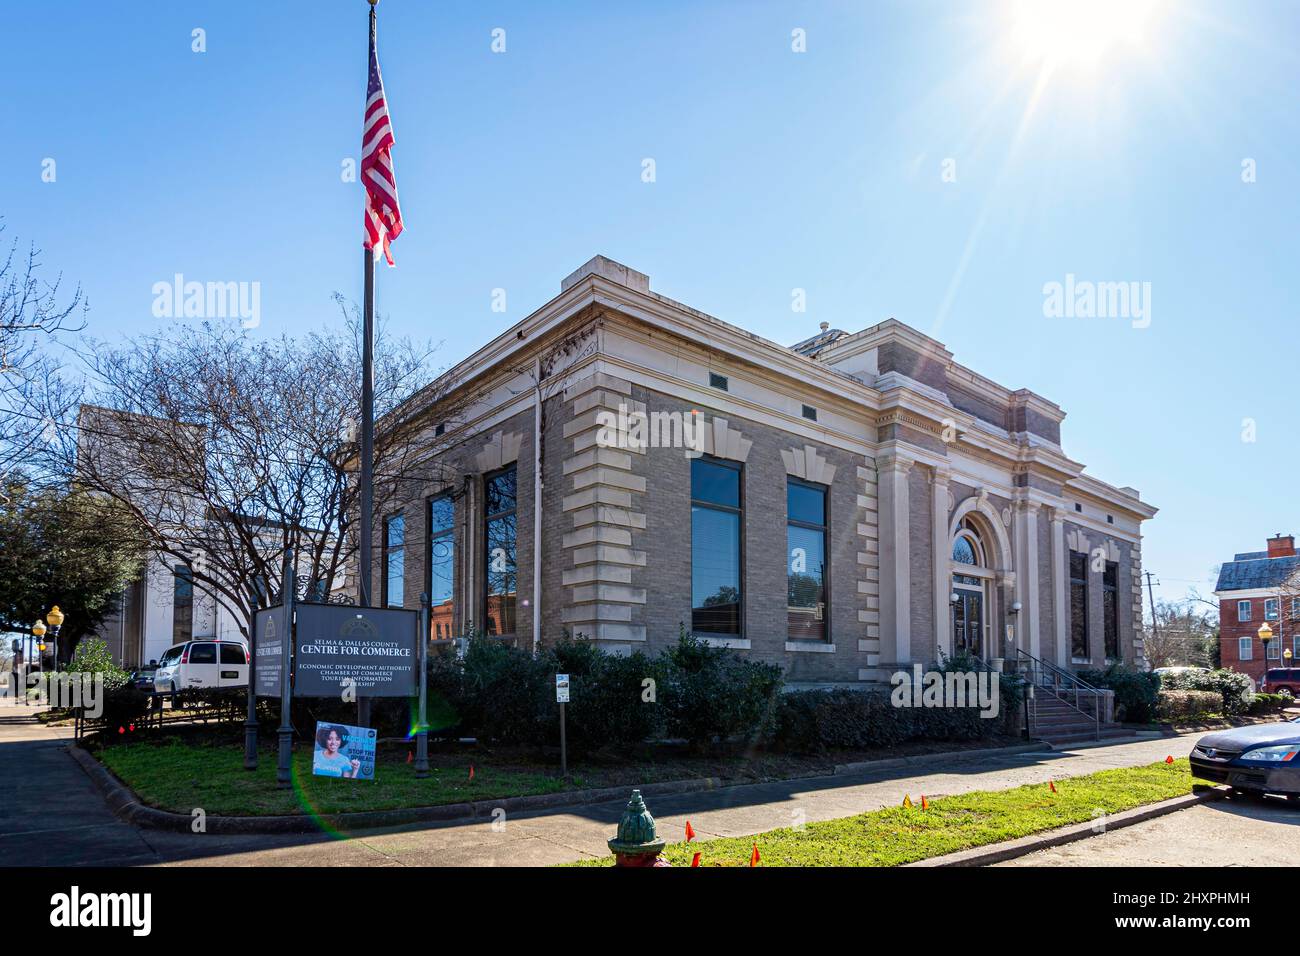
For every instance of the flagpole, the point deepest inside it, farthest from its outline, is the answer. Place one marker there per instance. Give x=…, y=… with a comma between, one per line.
x=367, y=428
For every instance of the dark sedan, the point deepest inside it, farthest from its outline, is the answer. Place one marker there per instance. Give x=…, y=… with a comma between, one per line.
x=142, y=679
x=1262, y=758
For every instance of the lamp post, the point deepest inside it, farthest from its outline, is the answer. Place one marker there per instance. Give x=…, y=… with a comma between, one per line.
x=38, y=632
x=1265, y=636
x=55, y=620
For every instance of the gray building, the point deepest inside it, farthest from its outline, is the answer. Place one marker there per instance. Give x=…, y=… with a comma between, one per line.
x=841, y=506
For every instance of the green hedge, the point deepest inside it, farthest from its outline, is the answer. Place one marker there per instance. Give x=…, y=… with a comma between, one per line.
x=1233, y=688
x=1187, y=704
x=1261, y=704
x=1135, y=691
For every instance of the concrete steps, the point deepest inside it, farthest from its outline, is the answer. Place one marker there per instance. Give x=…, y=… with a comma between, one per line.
x=1059, y=724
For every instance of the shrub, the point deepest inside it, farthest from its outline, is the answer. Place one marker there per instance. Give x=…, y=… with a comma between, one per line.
x=1135, y=691
x=606, y=705
x=92, y=656
x=709, y=694
x=1187, y=704
x=123, y=705
x=1232, y=687
x=812, y=721
x=1269, y=703
x=503, y=692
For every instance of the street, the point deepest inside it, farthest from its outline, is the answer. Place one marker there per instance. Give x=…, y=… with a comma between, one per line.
x=1236, y=832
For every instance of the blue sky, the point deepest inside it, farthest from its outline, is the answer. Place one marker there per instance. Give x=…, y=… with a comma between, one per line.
x=775, y=170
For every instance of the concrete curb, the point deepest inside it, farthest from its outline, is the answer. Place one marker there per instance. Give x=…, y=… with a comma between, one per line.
x=1011, y=849
x=947, y=756
x=127, y=806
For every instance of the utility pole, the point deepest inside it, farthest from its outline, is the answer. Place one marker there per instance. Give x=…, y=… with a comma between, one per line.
x=1155, y=627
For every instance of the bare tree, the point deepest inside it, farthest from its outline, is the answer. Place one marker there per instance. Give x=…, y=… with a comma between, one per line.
x=1186, y=635
x=33, y=397
x=229, y=451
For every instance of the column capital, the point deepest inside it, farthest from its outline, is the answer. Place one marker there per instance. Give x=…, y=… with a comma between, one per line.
x=895, y=463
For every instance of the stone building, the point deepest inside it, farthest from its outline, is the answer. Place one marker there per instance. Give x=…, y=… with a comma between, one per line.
x=841, y=506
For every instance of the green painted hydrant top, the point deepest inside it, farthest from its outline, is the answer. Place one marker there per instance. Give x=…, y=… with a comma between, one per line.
x=636, y=830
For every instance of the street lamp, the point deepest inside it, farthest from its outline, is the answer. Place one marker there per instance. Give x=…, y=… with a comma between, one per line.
x=1265, y=635
x=55, y=620
x=38, y=632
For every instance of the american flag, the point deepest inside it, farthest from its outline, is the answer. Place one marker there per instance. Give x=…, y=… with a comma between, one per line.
x=383, y=215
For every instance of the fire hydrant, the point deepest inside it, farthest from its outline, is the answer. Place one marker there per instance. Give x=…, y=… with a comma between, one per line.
x=637, y=842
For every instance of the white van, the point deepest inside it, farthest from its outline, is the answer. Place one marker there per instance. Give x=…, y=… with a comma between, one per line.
x=202, y=664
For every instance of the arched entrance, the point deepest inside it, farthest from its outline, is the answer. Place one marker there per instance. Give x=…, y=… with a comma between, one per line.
x=972, y=589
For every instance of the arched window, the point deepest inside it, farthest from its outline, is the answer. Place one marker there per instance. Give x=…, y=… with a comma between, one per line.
x=966, y=547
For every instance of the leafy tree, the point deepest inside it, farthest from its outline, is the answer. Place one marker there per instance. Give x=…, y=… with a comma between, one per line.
x=66, y=547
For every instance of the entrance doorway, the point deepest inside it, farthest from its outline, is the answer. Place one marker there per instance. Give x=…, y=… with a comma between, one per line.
x=968, y=615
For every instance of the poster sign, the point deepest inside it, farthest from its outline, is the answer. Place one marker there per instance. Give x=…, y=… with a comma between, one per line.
x=272, y=632
x=375, y=648
x=344, y=751
x=561, y=688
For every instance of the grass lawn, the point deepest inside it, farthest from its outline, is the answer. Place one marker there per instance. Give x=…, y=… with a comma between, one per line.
x=178, y=774
x=905, y=834
x=204, y=767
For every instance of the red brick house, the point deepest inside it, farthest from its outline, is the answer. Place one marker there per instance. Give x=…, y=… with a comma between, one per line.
x=1254, y=588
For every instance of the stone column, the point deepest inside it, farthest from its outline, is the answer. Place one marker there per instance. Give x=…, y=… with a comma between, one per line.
x=941, y=548
x=895, y=560
x=1028, y=619
x=1060, y=589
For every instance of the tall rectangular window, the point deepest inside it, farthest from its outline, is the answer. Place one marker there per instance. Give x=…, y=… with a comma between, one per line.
x=1271, y=609
x=441, y=561
x=1245, y=649
x=806, y=560
x=1243, y=610
x=715, y=547
x=501, y=535
x=394, y=561
x=1078, y=606
x=1110, y=608
x=182, y=603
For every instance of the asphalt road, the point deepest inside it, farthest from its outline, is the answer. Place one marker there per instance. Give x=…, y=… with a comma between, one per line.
x=1242, y=831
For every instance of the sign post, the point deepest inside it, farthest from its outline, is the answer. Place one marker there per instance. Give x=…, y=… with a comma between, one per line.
x=421, y=661
x=284, y=772
x=562, y=698
x=250, y=723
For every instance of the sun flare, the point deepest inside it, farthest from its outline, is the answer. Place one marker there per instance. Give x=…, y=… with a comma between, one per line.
x=1060, y=33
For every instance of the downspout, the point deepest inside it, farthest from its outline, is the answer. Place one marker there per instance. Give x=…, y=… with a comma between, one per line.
x=537, y=508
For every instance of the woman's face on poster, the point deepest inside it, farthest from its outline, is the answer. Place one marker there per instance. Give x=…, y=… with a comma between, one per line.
x=332, y=742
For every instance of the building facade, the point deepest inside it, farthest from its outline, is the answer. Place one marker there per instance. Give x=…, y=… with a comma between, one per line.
x=841, y=507
x=1256, y=588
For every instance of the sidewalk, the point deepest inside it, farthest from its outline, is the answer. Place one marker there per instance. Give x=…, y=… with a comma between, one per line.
x=50, y=812
x=87, y=832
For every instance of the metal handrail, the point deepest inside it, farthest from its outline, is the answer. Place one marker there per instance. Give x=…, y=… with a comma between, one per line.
x=1076, y=684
